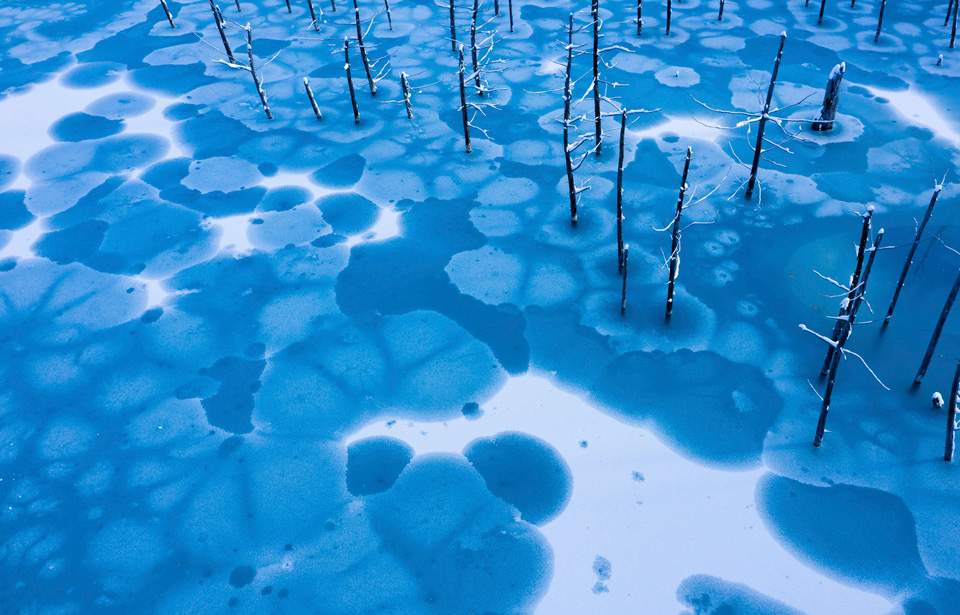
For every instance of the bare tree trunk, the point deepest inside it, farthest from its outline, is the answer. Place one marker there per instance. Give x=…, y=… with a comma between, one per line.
x=289, y=8
x=847, y=304
x=952, y=417
x=953, y=30
x=946, y=19
x=463, y=104
x=313, y=16
x=218, y=19
x=831, y=99
x=853, y=3
x=333, y=5
x=406, y=95
x=763, y=119
x=453, y=28
x=623, y=130
x=353, y=93
x=639, y=17
x=237, y=2
x=386, y=3
x=253, y=71
x=846, y=329
x=166, y=10
x=913, y=250
x=567, y=94
x=313, y=101
x=937, y=331
x=510, y=9
x=496, y=8
x=720, y=14
x=363, y=55
x=623, y=290
x=595, y=12
x=823, y=4
x=675, y=248
x=883, y=5
x=473, y=48
x=669, y=14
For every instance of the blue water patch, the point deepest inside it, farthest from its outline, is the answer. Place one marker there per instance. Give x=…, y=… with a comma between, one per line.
x=231, y=408
x=472, y=411
x=341, y=173
x=83, y=126
x=284, y=198
x=373, y=464
x=121, y=105
x=708, y=595
x=13, y=212
x=348, y=213
x=525, y=472
x=9, y=169
x=92, y=74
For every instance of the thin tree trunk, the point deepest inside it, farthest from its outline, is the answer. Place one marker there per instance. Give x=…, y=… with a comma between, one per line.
x=952, y=417
x=720, y=14
x=623, y=130
x=253, y=71
x=639, y=17
x=946, y=19
x=353, y=93
x=510, y=10
x=313, y=101
x=333, y=5
x=363, y=55
x=841, y=341
x=853, y=3
x=847, y=304
x=289, y=8
x=453, y=28
x=953, y=30
x=218, y=19
x=406, y=95
x=913, y=250
x=166, y=10
x=386, y=3
x=831, y=99
x=669, y=14
x=463, y=104
x=239, y=10
x=623, y=290
x=571, y=186
x=496, y=8
x=823, y=4
x=313, y=16
x=752, y=181
x=474, y=57
x=595, y=12
x=883, y=5
x=938, y=330
x=675, y=248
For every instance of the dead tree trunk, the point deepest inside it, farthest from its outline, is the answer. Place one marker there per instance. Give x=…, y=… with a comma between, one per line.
x=496, y=8
x=363, y=55
x=510, y=10
x=883, y=5
x=253, y=71
x=218, y=19
x=953, y=29
x=333, y=5
x=289, y=8
x=669, y=14
x=166, y=10
x=846, y=329
x=623, y=290
x=237, y=2
x=313, y=101
x=623, y=130
x=386, y=4
x=946, y=19
x=474, y=55
x=752, y=181
x=463, y=104
x=913, y=250
x=823, y=4
x=938, y=330
x=313, y=16
x=453, y=28
x=567, y=95
x=831, y=99
x=639, y=17
x=595, y=12
x=720, y=14
x=847, y=304
x=675, y=247
x=406, y=95
x=353, y=93
x=952, y=417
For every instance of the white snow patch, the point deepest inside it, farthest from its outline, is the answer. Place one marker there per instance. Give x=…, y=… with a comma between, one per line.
x=915, y=106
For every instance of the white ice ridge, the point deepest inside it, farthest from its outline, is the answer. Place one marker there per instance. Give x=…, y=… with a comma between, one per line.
x=692, y=520
x=916, y=107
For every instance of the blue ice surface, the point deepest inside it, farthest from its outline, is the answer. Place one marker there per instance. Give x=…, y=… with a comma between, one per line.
x=525, y=472
x=190, y=457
